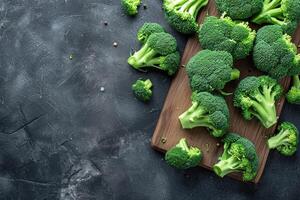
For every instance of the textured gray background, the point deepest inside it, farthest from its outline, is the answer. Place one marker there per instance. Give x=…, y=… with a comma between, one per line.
x=62, y=138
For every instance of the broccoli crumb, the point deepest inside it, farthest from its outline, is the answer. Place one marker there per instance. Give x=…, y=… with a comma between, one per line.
x=163, y=140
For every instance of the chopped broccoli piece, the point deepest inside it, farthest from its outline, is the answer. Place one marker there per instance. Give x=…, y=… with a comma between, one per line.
x=147, y=29
x=207, y=111
x=239, y=9
x=159, y=52
x=274, y=53
x=182, y=156
x=256, y=96
x=130, y=6
x=223, y=34
x=286, y=140
x=142, y=89
x=211, y=70
x=239, y=156
x=182, y=14
x=293, y=96
x=285, y=13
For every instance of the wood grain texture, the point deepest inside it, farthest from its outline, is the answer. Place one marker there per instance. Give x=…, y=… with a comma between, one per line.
x=168, y=130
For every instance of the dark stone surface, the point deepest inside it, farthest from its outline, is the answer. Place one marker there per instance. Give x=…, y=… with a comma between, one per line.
x=62, y=138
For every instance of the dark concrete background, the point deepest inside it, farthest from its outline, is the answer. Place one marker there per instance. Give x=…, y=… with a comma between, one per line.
x=63, y=138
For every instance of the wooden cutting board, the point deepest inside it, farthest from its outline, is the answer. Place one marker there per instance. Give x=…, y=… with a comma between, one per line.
x=168, y=130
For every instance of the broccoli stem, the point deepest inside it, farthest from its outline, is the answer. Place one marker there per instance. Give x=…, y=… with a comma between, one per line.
x=186, y=6
x=148, y=84
x=142, y=57
x=224, y=167
x=271, y=5
x=183, y=144
x=264, y=107
x=296, y=81
x=235, y=74
x=193, y=117
x=194, y=10
x=177, y=4
x=269, y=13
x=278, y=139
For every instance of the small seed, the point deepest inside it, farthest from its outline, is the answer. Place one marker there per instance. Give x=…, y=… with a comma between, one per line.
x=163, y=140
x=71, y=57
x=105, y=23
x=115, y=44
x=218, y=144
x=102, y=89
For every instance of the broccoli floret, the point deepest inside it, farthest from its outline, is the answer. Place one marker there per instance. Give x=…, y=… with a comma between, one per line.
x=223, y=34
x=239, y=156
x=239, y=9
x=293, y=96
x=182, y=14
x=147, y=29
x=286, y=140
x=159, y=52
x=256, y=96
x=182, y=156
x=211, y=70
x=285, y=13
x=142, y=89
x=130, y=6
x=207, y=111
x=274, y=53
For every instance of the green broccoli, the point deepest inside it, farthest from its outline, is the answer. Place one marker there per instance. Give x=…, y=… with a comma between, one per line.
x=211, y=70
x=207, y=111
x=239, y=155
x=293, y=96
x=239, y=9
x=147, y=29
x=286, y=141
x=130, y=6
x=223, y=34
x=274, y=53
x=182, y=14
x=183, y=157
x=256, y=96
x=142, y=89
x=285, y=13
x=159, y=51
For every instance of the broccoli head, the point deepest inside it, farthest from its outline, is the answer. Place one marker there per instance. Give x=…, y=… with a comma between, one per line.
x=207, y=111
x=274, y=53
x=182, y=14
x=159, y=51
x=182, y=156
x=293, y=96
x=147, y=29
x=130, y=6
x=211, y=70
x=142, y=89
x=285, y=13
x=239, y=9
x=256, y=96
x=239, y=155
x=286, y=141
x=223, y=34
